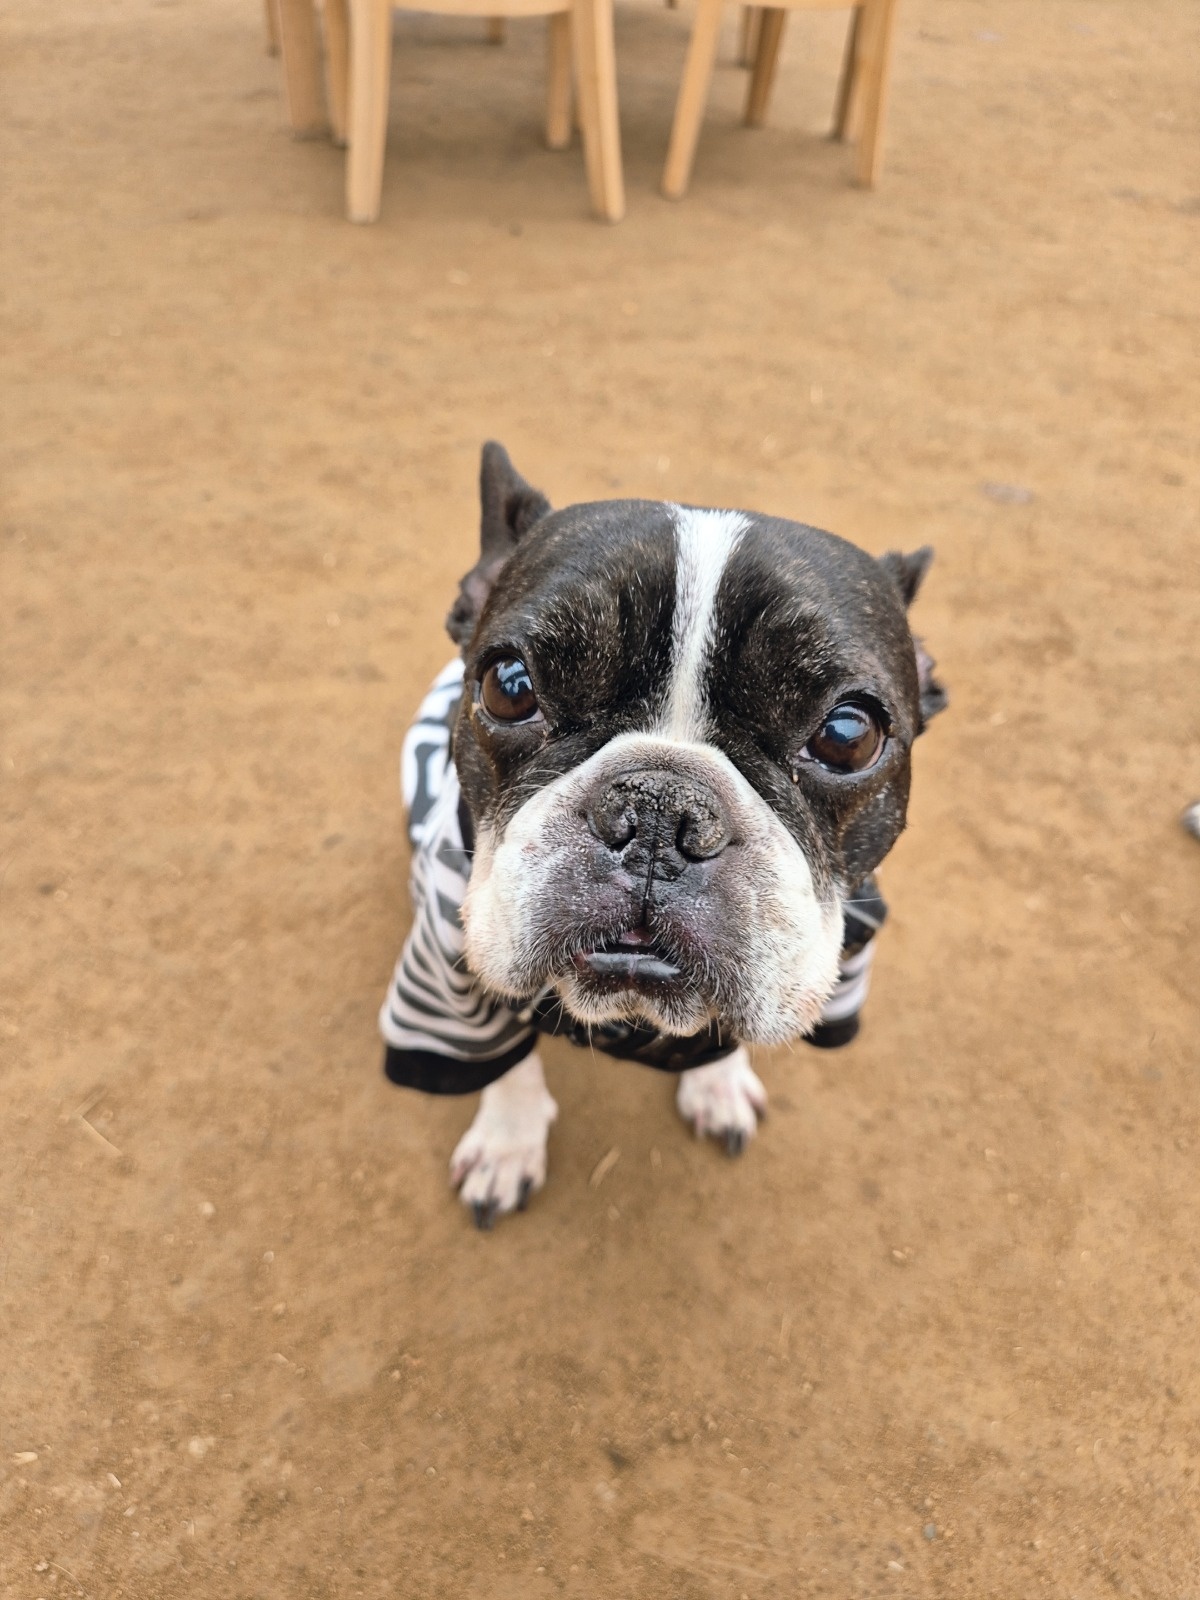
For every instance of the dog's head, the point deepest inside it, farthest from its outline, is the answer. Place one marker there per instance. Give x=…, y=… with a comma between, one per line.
x=684, y=737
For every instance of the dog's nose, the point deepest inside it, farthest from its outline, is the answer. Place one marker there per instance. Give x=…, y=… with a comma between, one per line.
x=661, y=813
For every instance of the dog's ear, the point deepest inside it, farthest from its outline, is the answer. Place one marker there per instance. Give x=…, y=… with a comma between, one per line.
x=509, y=509
x=933, y=692
x=908, y=574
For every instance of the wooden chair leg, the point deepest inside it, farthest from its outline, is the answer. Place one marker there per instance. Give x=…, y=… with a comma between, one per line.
x=849, y=100
x=271, y=24
x=301, y=55
x=876, y=75
x=585, y=98
x=693, y=93
x=596, y=73
x=770, y=37
x=370, y=78
x=748, y=35
x=495, y=30
x=558, y=80
x=337, y=67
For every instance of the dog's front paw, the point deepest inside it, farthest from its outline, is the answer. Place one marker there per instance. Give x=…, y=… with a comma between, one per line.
x=501, y=1159
x=724, y=1099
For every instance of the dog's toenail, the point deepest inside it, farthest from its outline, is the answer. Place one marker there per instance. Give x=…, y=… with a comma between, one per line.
x=524, y=1192
x=735, y=1141
x=485, y=1215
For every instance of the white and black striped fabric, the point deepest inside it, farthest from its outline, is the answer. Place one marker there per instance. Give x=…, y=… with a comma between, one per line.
x=443, y=1034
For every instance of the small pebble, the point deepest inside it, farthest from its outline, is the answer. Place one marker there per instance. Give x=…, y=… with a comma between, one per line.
x=1007, y=494
x=930, y=1530
x=207, y=1209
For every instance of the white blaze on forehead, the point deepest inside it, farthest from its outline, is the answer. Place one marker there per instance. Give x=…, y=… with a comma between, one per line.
x=704, y=542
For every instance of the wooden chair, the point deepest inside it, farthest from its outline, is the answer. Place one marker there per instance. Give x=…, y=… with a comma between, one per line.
x=862, y=90
x=358, y=61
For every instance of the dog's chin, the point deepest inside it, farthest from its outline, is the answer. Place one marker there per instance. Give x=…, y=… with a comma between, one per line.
x=635, y=974
x=663, y=981
x=670, y=1005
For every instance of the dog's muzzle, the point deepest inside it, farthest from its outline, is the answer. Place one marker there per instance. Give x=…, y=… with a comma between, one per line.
x=657, y=826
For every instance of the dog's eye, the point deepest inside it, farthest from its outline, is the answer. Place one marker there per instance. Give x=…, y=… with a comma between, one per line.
x=849, y=740
x=507, y=692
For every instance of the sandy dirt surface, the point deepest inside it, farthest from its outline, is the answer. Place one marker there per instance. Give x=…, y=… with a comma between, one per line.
x=936, y=1334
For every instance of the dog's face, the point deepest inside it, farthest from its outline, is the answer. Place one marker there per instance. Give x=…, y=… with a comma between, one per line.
x=685, y=736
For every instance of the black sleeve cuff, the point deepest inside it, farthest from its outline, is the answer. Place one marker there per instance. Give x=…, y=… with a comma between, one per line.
x=434, y=1074
x=833, y=1035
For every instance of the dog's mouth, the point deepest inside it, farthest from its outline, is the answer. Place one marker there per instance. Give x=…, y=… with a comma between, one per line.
x=634, y=959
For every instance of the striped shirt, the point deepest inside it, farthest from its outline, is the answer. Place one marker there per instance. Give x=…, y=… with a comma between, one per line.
x=444, y=1033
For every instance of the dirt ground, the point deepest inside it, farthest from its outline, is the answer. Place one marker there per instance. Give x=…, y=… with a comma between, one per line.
x=936, y=1334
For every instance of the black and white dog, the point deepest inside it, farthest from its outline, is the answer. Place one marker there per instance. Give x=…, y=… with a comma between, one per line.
x=645, y=808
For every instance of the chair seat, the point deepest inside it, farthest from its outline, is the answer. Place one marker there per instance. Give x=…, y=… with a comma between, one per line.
x=487, y=8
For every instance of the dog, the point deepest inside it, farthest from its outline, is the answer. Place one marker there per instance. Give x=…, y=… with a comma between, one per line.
x=646, y=805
